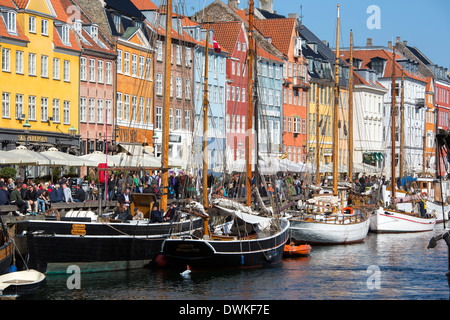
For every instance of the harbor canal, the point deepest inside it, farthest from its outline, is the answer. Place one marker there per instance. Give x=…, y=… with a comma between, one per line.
x=384, y=267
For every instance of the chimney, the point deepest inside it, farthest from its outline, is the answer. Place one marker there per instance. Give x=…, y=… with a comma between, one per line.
x=390, y=44
x=293, y=15
x=233, y=4
x=266, y=5
x=369, y=42
x=405, y=42
x=397, y=40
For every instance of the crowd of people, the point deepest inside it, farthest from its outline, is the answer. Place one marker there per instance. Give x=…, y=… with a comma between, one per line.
x=36, y=198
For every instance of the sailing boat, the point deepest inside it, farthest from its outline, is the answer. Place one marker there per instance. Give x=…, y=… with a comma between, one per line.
x=239, y=237
x=398, y=214
x=319, y=220
x=96, y=242
x=6, y=249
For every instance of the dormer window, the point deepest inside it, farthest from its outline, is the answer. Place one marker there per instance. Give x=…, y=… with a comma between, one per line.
x=11, y=22
x=65, y=35
x=94, y=32
x=117, y=22
x=77, y=26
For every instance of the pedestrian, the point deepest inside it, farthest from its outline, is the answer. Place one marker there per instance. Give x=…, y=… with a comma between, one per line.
x=16, y=198
x=67, y=193
x=156, y=215
x=126, y=198
x=138, y=215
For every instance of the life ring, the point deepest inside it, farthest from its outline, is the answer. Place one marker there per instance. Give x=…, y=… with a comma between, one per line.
x=349, y=209
x=424, y=194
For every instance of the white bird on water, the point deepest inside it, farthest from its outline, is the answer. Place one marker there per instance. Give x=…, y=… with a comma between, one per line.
x=186, y=272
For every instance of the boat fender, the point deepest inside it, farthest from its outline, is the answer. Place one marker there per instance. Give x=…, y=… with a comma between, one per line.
x=347, y=210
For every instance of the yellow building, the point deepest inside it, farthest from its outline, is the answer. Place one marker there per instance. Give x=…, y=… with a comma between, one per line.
x=39, y=77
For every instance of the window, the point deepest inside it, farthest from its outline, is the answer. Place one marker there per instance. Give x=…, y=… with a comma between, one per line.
x=119, y=106
x=19, y=106
x=126, y=107
x=141, y=67
x=92, y=70
x=178, y=119
x=158, y=123
x=56, y=110
x=159, y=53
x=108, y=111
x=44, y=66
x=119, y=61
x=126, y=63
x=108, y=72
x=11, y=22
x=187, y=119
x=117, y=22
x=44, y=27
x=91, y=110
x=65, y=35
x=66, y=112
x=148, y=111
x=149, y=69
x=141, y=109
x=243, y=95
x=19, y=62
x=5, y=105
x=100, y=70
x=133, y=65
x=100, y=111
x=83, y=69
x=83, y=105
x=188, y=57
x=32, y=24
x=159, y=86
x=5, y=59
x=55, y=68
x=32, y=64
x=94, y=33
x=178, y=55
x=188, y=89
x=66, y=70
x=44, y=109
x=170, y=119
x=179, y=88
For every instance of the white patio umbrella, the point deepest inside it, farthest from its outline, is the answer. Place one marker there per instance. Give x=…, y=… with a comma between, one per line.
x=23, y=156
x=64, y=159
x=99, y=157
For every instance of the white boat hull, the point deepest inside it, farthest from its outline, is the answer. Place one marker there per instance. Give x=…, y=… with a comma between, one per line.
x=389, y=221
x=328, y=233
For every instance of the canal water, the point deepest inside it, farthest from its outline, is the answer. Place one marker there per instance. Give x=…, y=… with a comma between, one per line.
x=384, y=267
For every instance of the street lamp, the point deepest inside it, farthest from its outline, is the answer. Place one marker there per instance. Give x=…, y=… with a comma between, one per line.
x=26, y=129
x=72, y=131
x=155, y=137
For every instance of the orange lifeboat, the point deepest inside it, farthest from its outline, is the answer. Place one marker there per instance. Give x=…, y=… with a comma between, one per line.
x=300, y=250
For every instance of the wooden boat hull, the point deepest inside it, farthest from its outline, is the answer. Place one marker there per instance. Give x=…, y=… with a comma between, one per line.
x=300, y=250
x=51, y=246
x=389, y=221
x=21, y=283
x=216, y=254
x=313, y=232
x=6, y=256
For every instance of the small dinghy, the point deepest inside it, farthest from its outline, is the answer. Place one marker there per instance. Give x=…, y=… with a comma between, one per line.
x=296, y=250
x=21, y=283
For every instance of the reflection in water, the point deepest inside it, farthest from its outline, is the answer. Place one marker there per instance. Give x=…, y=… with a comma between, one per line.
x=407, y=271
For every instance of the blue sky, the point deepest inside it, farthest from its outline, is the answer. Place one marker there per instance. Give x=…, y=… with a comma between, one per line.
x=424, y=24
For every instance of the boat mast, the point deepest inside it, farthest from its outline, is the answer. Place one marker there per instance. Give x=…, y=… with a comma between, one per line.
x=317, y=137
x=248, y=186
x=205, y=121
x=350, y=113
x=402, y=130
x=336, y=112
x=393, y=114
x=166, y=109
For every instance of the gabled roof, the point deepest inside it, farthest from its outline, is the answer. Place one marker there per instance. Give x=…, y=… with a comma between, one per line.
x=280, y=31
x=125, y=7
x=367, y=54
x=7, y=3
x=145, y=5
x=226, y=33
x=72, y=41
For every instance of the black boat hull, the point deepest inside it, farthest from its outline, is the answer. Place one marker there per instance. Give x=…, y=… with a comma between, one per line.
x=53, y=246
x=6, y=256
x=211, y=254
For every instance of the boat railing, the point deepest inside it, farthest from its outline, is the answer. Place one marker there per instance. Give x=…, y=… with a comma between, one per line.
x=332, y=218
